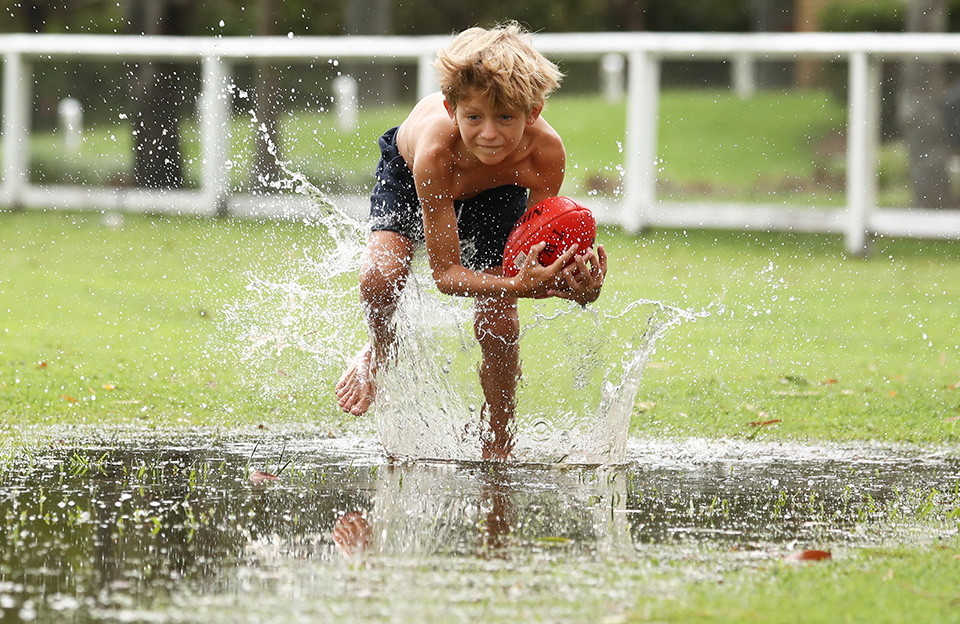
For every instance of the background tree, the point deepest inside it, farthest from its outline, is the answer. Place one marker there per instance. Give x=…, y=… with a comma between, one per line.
x=157, y=97
x=922, y=91
x=265, y=167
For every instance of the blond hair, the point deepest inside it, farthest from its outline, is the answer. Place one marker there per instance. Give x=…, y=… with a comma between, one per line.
x=499, y=63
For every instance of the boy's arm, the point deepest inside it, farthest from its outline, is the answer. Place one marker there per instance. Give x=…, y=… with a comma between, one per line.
x=452, y=278
x=443, y=250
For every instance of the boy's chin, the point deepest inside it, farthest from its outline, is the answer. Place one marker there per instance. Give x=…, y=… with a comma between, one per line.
x=488, y=158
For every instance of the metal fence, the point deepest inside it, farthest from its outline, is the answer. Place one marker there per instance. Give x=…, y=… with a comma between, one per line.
x=636, y=208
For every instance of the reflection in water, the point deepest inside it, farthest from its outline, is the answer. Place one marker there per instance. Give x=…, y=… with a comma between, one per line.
x=174, y=530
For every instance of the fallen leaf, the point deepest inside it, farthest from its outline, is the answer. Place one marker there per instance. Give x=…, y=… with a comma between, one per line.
x=42, y=365
x=829, y=382
x=810, y=555
x=951, y=419
x=893, y=393
x=259, y=476
x=109, y=386
x=68, y=398
x=954, y=386
x=765, y=423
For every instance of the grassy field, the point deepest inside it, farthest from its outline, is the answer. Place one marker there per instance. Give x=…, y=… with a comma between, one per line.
x=112, y=325
x=774, y=147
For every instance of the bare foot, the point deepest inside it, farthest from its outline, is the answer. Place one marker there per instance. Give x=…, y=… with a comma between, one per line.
x=357, y=386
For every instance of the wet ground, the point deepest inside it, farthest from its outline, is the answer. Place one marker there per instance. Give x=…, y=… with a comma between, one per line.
x=184, y=528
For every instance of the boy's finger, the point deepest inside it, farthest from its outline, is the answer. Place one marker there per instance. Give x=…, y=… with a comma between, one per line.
x=564, y=258
x=534, y=252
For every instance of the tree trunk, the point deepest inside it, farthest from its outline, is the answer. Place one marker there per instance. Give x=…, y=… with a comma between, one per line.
x=265, y=168
x=377, y=81
x=156, y=98
x=920, y=112
x=626, y=15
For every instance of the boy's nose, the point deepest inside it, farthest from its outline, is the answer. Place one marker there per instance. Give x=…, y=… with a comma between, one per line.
x=488, y=131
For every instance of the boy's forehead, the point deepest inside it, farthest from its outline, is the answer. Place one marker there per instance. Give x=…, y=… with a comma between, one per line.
x=478, y=100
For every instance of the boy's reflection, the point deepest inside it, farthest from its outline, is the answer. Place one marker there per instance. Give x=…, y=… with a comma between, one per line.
x=492, y=513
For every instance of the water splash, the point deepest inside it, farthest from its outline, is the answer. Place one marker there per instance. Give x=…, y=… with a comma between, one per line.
x=300, y=323
x=582, y=370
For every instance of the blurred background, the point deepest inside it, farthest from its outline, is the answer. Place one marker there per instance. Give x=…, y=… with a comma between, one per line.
x=139, y=119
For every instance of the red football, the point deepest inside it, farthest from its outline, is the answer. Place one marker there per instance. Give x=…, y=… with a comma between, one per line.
x=560, y=222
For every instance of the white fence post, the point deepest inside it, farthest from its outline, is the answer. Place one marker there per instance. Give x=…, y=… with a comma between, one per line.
x=611, y=66
x=345, y=102
x=863, y=124
x=640, y=159
x=70, y=113
x=16, y=129
x=214, y=105
x=744, y=76
x=426, y=79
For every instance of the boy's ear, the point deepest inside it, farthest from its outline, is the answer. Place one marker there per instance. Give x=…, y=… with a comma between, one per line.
x=450, y=111
x=534, y=114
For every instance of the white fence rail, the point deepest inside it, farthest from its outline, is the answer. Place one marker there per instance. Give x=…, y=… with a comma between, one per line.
x=638, y=206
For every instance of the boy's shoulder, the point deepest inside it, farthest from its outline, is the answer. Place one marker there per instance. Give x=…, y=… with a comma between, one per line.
x=428, y=131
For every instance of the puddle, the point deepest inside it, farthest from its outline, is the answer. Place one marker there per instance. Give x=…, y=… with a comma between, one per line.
x=128, y=527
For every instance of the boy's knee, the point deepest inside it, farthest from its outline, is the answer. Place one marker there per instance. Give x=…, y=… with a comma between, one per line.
x=503, y=326
x=381, y=285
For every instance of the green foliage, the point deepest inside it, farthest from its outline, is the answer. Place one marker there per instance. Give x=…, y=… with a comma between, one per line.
x=416, y=17
x=875, y=16
x=860, y=16
x=699, y=16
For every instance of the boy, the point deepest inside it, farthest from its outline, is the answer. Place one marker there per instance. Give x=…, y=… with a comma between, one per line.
x=457, y=174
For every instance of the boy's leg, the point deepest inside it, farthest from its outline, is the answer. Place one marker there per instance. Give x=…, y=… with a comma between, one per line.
x=383, y=274
x=497, y=327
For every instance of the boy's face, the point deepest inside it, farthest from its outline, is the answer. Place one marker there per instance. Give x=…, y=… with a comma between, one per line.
x=490, y=134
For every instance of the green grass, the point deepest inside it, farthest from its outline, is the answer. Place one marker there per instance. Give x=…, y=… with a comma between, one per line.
x=114, y=325
x=874, y=585
x=778, y=147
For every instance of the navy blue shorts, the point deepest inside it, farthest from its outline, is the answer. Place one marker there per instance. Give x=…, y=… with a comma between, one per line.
x=483, y=222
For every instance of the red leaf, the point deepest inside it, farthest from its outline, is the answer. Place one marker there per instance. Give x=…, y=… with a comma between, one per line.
x=68, y=398
x=765, y=423
x=42, y=365
x=829, y=382
x=259, y=476
x=810, y=555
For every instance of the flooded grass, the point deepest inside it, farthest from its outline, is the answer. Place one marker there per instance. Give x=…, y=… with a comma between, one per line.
x=128, y=526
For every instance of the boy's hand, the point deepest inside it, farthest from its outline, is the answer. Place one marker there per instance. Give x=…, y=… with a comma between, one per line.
x=583, y=278
x=537, y=280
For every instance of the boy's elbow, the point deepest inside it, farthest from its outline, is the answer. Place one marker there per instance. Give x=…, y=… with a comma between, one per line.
x=444, y=284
